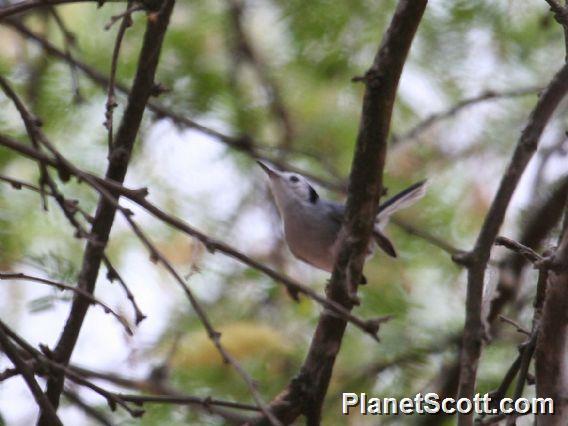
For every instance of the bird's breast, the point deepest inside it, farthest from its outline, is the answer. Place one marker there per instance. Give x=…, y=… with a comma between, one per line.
x=310, y=239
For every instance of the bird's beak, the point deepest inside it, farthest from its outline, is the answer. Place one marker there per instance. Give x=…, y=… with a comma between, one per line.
x=271, y=173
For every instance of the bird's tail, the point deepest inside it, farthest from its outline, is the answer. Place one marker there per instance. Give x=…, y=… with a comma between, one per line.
x=401, y=200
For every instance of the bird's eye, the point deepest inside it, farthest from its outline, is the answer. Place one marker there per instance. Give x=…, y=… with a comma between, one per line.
x=294, y=179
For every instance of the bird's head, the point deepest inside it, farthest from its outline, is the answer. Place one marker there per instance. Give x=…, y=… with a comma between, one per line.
x=289, y=187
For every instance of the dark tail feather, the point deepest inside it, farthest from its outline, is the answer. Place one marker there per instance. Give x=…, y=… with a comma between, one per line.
x=384, y=243
x=403, y=199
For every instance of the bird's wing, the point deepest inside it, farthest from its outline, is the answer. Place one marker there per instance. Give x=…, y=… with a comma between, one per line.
x=336, y=212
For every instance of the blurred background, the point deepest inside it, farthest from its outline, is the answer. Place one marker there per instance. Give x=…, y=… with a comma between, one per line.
x=280, y=73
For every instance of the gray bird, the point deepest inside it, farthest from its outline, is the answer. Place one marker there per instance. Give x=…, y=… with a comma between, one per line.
x=312, y=224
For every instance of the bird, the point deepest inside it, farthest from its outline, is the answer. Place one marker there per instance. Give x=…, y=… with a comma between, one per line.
x=312, y=224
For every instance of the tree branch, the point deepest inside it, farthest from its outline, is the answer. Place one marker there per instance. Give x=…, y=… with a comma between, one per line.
x=477, y=260
x=111, y=99
x=551, y=364
x=434, y=118
x=61, y=286
x=69, y=207
x=91, y=412
x=116, y=171
x=212, y=244
x=305, y=394
x=543, y=217
x=156, y=391
x=23, y=6
x=27, y=374
x=527, y=252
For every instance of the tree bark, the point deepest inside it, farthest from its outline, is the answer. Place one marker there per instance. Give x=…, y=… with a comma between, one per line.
x=551, y=364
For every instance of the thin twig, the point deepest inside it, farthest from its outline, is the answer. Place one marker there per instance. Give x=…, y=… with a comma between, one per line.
x=213, y=334
x=183, y=400
x=427, y=236
x=515, y=324
x=8, y=373
x=111, y=103
x=22, y=6
x=157, y=391
x=527, y=252
x=76, y=290
x=31, y=124
x=127, y=13
x=242, y=143
x=461, y=105
x=112, y=275
x=91, y=412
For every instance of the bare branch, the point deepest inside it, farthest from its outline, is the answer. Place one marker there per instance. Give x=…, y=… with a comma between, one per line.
x=527, y=252
x=213, y=334
x=112, y=274
x=70, y=205
x=499, y=393
x=156, y=255
x=46, y=360
x=432, y=119
x=91, y=412
x=551, y=362
x=23, y=6
x=116, y=171
x=8, y=373
x=559, y=11
x=474, y=330
x=69, y=42
x=305, y=394
x=427, y=236
x=126, y=14
x=157, y=392
x=515, y=324
x=526, y=350
x=138, y=196
x=111, y=99
x=32, y=128
x=543, y=217
x=61, y=286
x=183, y=400
x=27, y=374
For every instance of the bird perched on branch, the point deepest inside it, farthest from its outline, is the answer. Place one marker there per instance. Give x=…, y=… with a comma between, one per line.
x=312, y=224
